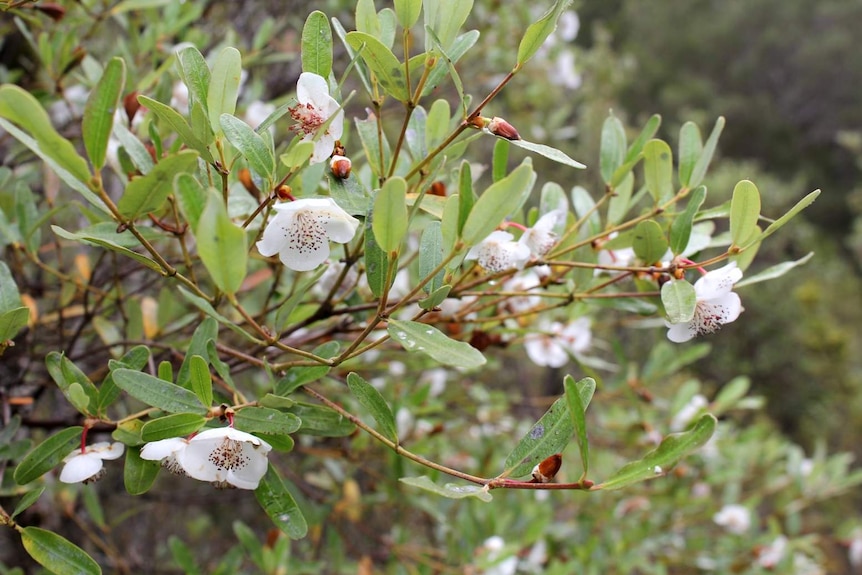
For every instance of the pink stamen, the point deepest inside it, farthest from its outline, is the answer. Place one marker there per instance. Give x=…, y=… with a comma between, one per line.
x=689, y=262
x=515, y=225
x=229, y=416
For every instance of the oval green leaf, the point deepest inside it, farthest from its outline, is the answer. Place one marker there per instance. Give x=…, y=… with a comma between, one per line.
x=499, y=200
x=266, y=420
x=317, y=45
x=744, y=212
x=415, y=336
x=224, y=86
x=448, y=490
x=47, y=455
x=658, y=170
x=408, y=12
x=221, y=245
x=538, y=31
x=648, y=241
x=575, y=394
x=612, y=150
x=373, y=401
x=390, y=214
x=147, y=193
x=56, y=553
x=201, y=381
x=702, y=164
x=679, y=300
x=690, y=149
x=196, y=74
x=158, y=393
x=99, y=111
x=279, y=504
x=382, y=62
x=250, y=144
x=175, y=425
x=680, y=229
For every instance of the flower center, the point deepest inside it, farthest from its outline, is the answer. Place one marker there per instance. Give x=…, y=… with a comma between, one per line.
x=708, y=317
x=307, y=233
x=308, y=118
x=229, y=455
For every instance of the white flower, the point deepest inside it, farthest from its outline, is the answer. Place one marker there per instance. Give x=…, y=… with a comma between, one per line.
x=734, y=518
x=499, y=252
x=854, y=551
x=225, y=456
x=522, y=282
x=552, y=345
x=688, y=412
x=301, y=230
x=180, y=98
x=542, y=236
x=165, y=451
x=314, y=109
x=716, y=304
x=86, y=465
x=257, y=112
x=568, y=26
x=772, y=555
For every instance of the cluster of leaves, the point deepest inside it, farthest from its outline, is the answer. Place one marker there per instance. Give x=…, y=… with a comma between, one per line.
x=170, y=222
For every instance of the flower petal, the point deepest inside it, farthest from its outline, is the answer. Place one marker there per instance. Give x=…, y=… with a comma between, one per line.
x=717, y=282
x=275, y=235
x=681, y=332
x=225, y=455
x=159, y=450
x=322, y=147
x=81, y=467
x=309, y=88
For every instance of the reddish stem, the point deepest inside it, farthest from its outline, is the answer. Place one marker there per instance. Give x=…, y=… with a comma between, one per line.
x=521, y=227
x=84, y=440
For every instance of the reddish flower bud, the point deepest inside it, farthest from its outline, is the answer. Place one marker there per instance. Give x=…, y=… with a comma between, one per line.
x=502, y=128
x=438, y=188
x=53, y=11
x=284, y=193
x=131, y=105
x=340, y=166
x=545, y=471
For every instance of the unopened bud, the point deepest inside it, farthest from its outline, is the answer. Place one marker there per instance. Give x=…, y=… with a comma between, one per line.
x=545, y=471
x=502, y=128
x=284, y=192
x=131, y=105
x=53, y=11
x=340, y=166
x=438, y=188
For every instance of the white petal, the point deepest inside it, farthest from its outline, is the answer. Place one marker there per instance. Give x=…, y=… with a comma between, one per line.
x=106, y=450
x=275, y=235
x=717, y=282
x=81, y=467
x=722, y=310
x=306, y=254
x=681, y=332
x=322, y=148
x=309, y=87
x=336, y=127
x=225, y=455
x=158, y=450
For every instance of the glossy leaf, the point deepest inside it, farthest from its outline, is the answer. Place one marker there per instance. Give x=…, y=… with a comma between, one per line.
x=498, y=201
x=431, y=256
x=179, y=125
x=175, y=425
x=13, y=321
x=680, y=229
x=250, y=144
x=316, y=45
x=222, y=245
x=279, y=505
x=547, y=151
x=649, y=242
x=702, y=164
x=47, y=455
x=99, y=111
x=200, y=379
x=373, y=401
x=447, y=63
x=224, y=86
x=744, y=212
x=56, y=553
x=408, y=12
x=382, y=62
x=147, y=193
x=658, y=170
x=549, y=435
x=679, y=300
x=612, y=150
x=415, y=336
x=158, y=393
x=655, y=463
x=435, y=298
x=390, y=214
x=266, y=420
x=575, y=394
x=690, y=149
x=27, y=500
x=538, y=31
x=449, y=490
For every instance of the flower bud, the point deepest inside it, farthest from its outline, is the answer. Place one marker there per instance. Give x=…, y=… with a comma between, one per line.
x=502, y=128
x=437, y=188
x=545, y=471
x=131, y=105
x=54, y=11
x=283, y=192
x=340, y=166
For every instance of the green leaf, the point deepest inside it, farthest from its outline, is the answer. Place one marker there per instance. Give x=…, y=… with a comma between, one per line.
x=136, y=358
x=699, y=170
x=29, y=499
x=47, y=455
x=266, y=420
x=466, y=197
x=499, y=200
x=435, y=298
x=322, y=421
x=447, y=63
x=147, y=193
x=445, y=18
x=191, y=197
x=449, y=222
x=366, y=18
x=539, y=31
x=547, y=151
x=136, y=150
x=690, y=149
x=448, y=490
x=11, y=322
x=383, y=64
x=10, y=298
x=371, y=400
x=620, y=202
x=276, y=402
x=105, y=243
x=158, y=393
x=224, y=86
x=221, y=245
x=370, y=138
x=316, y=47
x=376, y=259
x=613, y=147
x=408, y=12
x=415, y=336
x=658, y=170
x=775, y=271
x=279, y=504
x=649, y=242
x=777, y=224
x=196, y=74
x=298, y=376
x=201, y=380
x=390, y=214
x=66, y=374
x=680, y=229
x=56, y=553
x=208, y=309
x=20, y=107
x=179, y=125
x=431, y=256
x=250, y=144
x=99, y=111
x=744, y=212
x=649, y=130
x=679, y=301
x=205, y=332
x=175, y=425
x=548, y=436
x=575, y=394
x=657, y=462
